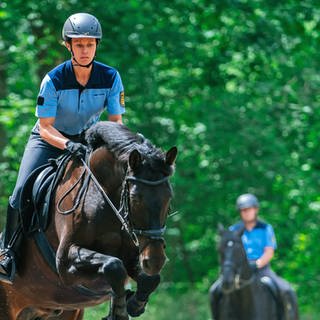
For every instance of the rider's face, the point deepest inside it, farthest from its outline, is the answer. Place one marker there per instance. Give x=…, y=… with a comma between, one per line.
x=84, y=49
x=249, y=214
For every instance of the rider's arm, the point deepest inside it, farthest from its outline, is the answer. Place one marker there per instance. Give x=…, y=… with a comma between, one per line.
x=115, y=104
x=269, y=248
x=50, y=134
x=265, y=258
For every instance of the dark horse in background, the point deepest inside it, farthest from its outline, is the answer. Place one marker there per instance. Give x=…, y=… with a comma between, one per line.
x=107, y=223
x=244, y=295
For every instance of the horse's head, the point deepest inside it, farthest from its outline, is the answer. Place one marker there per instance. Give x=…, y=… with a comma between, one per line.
x=233, y=258
x=146, y=192
x=149, y=194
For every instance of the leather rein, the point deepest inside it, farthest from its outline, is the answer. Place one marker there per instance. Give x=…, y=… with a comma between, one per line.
x=123, y=214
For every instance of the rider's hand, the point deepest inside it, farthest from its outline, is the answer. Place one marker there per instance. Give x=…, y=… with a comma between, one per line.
x=76, y=149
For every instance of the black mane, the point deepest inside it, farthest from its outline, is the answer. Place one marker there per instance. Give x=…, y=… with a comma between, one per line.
x=120, y=141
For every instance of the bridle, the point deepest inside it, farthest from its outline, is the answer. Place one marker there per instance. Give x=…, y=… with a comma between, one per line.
x=123, y=214
x=154, y=234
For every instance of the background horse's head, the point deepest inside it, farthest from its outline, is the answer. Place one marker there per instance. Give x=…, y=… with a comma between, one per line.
x=233, y=259
x=146, y=192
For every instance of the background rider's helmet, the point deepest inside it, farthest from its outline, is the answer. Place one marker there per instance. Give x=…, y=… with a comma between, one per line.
x=81, y=25
x=246, y=201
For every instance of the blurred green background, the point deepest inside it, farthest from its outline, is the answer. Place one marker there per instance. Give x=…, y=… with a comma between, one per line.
x=234, y=84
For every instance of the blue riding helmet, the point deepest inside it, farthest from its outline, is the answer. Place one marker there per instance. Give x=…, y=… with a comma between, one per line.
x=81, y=25
x=246, y=201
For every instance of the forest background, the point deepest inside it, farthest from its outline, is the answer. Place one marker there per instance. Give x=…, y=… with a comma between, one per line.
x=235, y=84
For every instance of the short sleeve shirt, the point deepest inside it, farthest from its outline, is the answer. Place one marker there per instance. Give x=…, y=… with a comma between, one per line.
x=74, y=107
x=257, y=239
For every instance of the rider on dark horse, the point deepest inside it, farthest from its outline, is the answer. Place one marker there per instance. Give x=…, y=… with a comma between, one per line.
x=259, y=243
x=71, y=99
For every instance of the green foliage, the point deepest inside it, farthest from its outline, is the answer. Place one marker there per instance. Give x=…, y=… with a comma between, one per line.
x=234, y=84
x=181, y=304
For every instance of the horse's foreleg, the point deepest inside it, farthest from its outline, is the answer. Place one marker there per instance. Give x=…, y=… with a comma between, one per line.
x=92, y=267
x=145, y=286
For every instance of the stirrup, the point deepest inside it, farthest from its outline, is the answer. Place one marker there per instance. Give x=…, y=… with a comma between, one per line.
x=7, y=276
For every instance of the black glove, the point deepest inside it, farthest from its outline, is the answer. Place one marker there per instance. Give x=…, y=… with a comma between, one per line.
x=76, y=149
x=253, y=265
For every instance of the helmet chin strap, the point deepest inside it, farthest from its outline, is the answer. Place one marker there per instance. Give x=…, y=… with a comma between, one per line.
x=77, y=64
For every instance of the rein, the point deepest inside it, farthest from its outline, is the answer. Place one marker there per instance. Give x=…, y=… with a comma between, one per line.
x=238, y=283
x=123, y=221
x=124, y=212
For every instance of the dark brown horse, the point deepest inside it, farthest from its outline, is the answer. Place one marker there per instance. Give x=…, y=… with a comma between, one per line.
x=107, y=224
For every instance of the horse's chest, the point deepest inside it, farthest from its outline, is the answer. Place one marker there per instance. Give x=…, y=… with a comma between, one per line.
x=108, y=242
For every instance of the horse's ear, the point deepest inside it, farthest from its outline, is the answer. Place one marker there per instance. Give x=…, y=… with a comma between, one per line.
x=135, y=159
x=171, y=156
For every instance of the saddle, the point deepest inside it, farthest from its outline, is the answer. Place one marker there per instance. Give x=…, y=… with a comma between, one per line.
x=35, y=203
x=37, y=193
x=271, y=286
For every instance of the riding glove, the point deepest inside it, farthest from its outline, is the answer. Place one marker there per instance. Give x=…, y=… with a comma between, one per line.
x=76, y=149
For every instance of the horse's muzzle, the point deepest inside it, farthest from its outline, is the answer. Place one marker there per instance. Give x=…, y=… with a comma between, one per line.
x=153, y=257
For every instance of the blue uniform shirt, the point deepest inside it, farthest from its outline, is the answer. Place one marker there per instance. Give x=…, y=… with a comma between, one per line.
x=74, y=107
x=256, y=240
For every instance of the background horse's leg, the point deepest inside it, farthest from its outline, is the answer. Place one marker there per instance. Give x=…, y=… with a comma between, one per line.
x=89, y=266
x=145, y=286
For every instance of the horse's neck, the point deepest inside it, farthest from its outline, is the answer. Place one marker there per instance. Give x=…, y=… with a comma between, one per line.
x=246, y=296
x=245, y=302
x=246, y=271
x=108, y=172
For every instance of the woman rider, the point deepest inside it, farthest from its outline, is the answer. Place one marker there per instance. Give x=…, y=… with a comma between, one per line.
x=71, y=99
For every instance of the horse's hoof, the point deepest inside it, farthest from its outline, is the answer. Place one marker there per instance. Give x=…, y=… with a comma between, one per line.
x=135, y=308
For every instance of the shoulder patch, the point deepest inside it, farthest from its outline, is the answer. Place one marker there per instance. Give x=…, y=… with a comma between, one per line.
x=122, y=99
x=40, y=100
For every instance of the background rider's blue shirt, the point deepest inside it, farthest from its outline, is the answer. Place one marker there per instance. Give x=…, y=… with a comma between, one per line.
x=256, y=240
x=74, y=107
